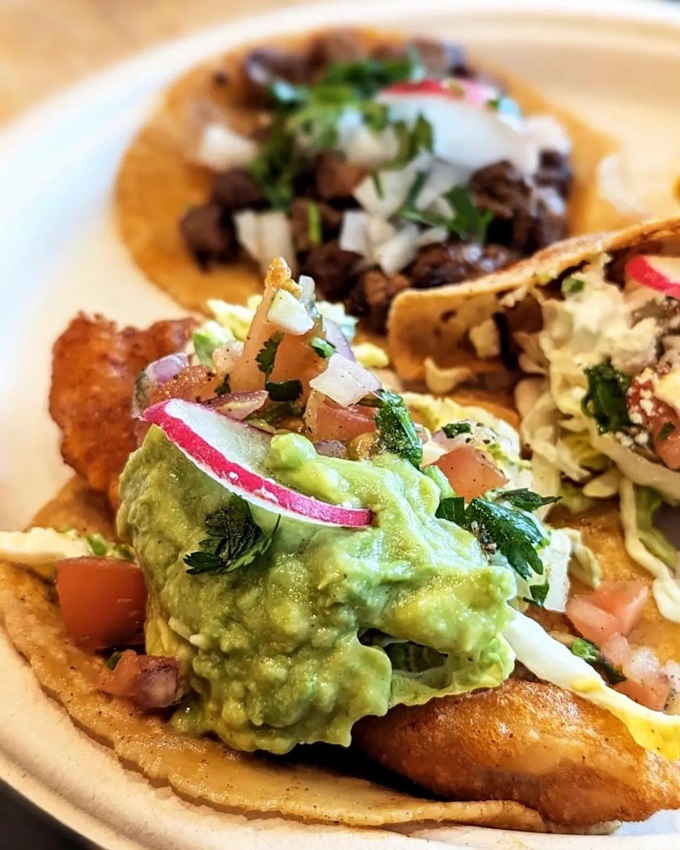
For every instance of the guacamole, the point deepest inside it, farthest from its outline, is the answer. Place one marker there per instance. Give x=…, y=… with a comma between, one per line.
x=330, y=624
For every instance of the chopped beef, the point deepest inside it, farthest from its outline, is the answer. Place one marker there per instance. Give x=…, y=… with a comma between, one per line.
x=554, y=170
x=261, y=67
x=331, y=219
x=454, y=262
x=331, y=268
x=336, y=178
x=374, y=292
x=237, y=189
x=209, y=234
x=336, y=46
x=525, y=218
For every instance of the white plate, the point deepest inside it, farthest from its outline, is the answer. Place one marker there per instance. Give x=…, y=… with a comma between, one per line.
x=617, y=64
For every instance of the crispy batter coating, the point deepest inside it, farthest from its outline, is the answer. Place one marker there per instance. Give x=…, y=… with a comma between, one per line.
x=94, y=368
x=529, y=742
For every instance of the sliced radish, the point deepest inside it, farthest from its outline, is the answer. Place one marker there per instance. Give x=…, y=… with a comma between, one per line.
x=659, y=273
x=233, y=454
x=468, y=130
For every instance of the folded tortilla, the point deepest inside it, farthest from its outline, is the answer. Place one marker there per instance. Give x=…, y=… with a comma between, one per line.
x=435, y=323
x=202, y=769
x=157, y=183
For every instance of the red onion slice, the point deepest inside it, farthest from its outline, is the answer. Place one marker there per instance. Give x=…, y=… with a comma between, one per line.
x=337, y=338
x=239, y=405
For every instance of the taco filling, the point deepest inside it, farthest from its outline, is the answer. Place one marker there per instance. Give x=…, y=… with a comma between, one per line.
x=313, y=557
x=373, y=167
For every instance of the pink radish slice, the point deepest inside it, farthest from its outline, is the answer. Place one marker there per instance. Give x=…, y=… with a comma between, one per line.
x=233, y=454
x=659, y=273
x=467, y=130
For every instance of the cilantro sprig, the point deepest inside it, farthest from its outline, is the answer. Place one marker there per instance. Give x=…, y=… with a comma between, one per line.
x=395, y=426
x=454, y=429
x=592, y=654
x=526, y=500
x=233, y=540
x=468, y=221
x=266, y=358
x=605, y=400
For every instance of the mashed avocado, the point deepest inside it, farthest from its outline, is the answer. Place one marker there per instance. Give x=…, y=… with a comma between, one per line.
x=330, y=624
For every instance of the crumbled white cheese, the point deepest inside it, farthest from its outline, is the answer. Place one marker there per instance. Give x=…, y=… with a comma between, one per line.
x=486, y=339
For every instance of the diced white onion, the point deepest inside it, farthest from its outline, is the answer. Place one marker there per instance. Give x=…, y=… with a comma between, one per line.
x=370, y=148
x=225, y=357
x=344, y=381
x=385, y=194
x=442, y=178
x=220, y=148
x=431, y=236
x=354, y=233
x=289, y=314
x=548, y=133
x=306, y=283
x=265, y=235
x=395, y=254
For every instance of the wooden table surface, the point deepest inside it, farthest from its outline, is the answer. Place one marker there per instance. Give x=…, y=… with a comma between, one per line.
x=46, y=45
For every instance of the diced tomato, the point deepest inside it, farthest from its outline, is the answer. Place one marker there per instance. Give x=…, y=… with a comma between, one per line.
x=342, y=423
x=122, y=680
x=102, y=601
x=616, y=650
x=660, y=418
x=624, y=600
x=592, y=622
x=470, y=472
x=646, y=683
x=151, y=681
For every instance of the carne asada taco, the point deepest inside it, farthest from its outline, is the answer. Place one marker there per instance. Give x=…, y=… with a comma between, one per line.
x=313, y=558
x=370, y=163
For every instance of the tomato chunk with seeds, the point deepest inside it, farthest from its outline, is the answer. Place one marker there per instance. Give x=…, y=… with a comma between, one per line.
x=102, y=601
x=624, y=600
x=470, y=472
x=591, y=621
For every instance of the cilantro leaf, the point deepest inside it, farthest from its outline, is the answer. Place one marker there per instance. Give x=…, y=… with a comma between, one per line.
x=452, y=508
x=234, y=540
x=411, y=141
x=277, y=164
x=538, y=592
x=322, y=347
x=314, y=226
x=592, y=654
x=453, y=429
x=513, y=533
x=396, y=427
x=572, y=285
x=267, y=354
x=367, y=77
x=468, y=221
x=605, y=400
x=527, y=500
x=283, y=390
x=224, y=387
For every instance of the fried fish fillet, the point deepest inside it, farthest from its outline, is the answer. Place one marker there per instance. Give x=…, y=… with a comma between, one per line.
x=530, y=742
x=94, y=368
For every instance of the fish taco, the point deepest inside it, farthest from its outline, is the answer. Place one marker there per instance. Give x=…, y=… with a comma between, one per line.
x=303, y=556
x=369, y=162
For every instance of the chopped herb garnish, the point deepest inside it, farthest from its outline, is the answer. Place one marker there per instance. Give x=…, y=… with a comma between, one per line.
x=495, y=102
x=572, y=285
x=513, y=533
x=527, y=500
x=104, y=548
x=468, y=221
x=283, y=390
x=314, y=226
x=453, y=429
x=367, y=77
x=592, y=654
x=277, y=164
x=452, y=508
x=539, y=593
x=224, y=387
x=377, y=184
x=412, y=140
x=267, y=354
x=396, y=428
x=414, y=191
x=234, y=540
x=113, y=659
x=605, y=400
x=667, y=429
x=322, y=347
